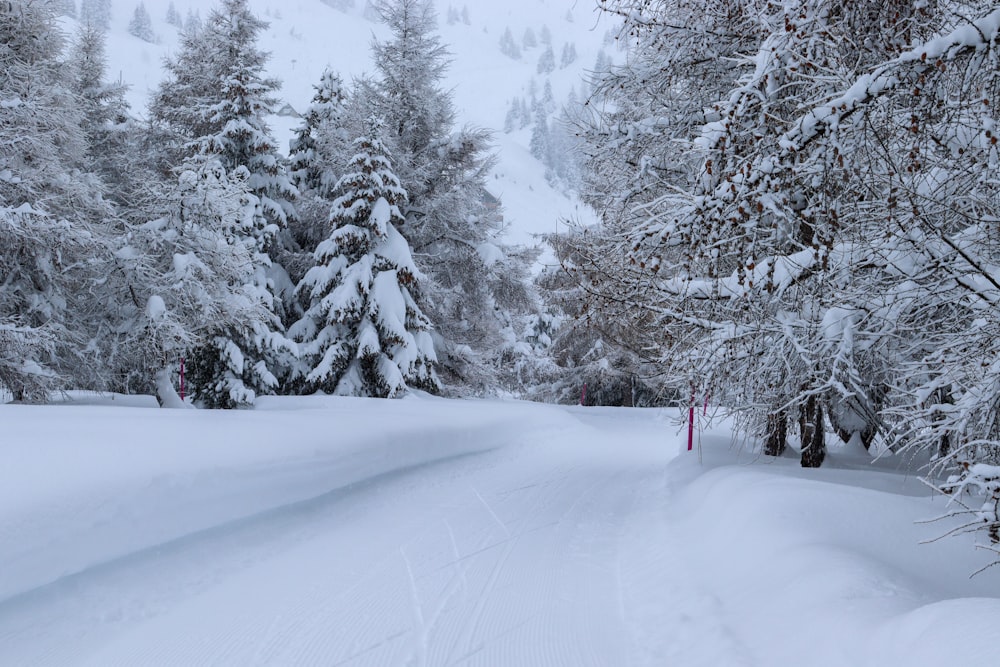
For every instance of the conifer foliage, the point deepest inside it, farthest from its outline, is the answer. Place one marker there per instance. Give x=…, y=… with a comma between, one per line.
x=363, y=333
x=214, y=104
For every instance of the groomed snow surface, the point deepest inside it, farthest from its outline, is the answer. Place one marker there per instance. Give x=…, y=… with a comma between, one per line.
x=337, y=531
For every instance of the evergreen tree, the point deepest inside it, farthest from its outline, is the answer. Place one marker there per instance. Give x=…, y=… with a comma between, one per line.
x=65, y=7
x=540, y=145
x=508, y=46
x=192, y=282
x=174, y=17
x=318, y=156
x=545, y=36
x=450, y=223
x=364, y=334
x=192, y=22
x=53, y=239
x=214, y=103
x=141, y=25
x=105, y=111
x=568, y=55
x=529, y=40
x=310, y=166
x=547, y=61
x=96, y=13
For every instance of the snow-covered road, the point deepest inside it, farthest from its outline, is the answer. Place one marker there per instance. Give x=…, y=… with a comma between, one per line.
x=319, y=531
x=493, y=540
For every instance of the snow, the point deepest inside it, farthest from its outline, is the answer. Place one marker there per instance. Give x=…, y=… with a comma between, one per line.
x=155, y=307
x=325, y=530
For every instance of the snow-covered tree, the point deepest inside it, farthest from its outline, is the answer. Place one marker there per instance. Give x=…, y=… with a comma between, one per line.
x=568, y=56
x=53, y=218
x=529, y=40
x=764, y=261
x=508, y=46
x=65, y=7
x=545, y=36
x=105, y=111
x=546, y=61
x=141, y=25
x=96, y=13
x=452, y=222
x=214, y=102
x=318, y=155
x=363, y=333
x=192, y=21
x=191, y=279
x=173, y=17
x=309, y=169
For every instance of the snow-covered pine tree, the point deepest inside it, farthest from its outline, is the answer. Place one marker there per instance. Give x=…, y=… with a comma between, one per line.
x=106, y=121
x=317, y=158
x=310, y=170
x=539, y=144
x=191, y=280
x=65, y=7
x=174, y=17
x=96, y=13
x=508, y=46
x=215, y=101
x=53, y=240
x=451, y=220
x=568, y=56
x=192, y=22
x=529, y=40
x=546, y=61
x=141, y=25
x=363, y=333
x=545, y=36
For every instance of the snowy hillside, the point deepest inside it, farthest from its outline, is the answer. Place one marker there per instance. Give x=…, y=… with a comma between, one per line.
x=306, y=36
x=334, y=531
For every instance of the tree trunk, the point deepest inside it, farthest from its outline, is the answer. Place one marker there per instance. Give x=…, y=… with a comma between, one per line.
x=165, y=392
x=811, y=428
x=944, y=442
x=777, y=432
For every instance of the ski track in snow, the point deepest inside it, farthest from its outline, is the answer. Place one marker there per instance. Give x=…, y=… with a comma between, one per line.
x=506, y=554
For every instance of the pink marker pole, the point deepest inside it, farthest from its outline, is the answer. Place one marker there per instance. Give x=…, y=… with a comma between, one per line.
x=182, y=378
x=691, y=422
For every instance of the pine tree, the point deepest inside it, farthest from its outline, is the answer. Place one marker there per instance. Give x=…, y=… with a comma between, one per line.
x=53, y=237
x=192, y=22
x=568, y=55
x=191, y=275
x=364, y=334
x=547, y=61
x=105, y=110
x=310, y=168
x=174, y=17
x=529, y=40
x=141, y=25
x=540, y=145
x=318, y=155
x=508, y=46
x=215, y=102
x=449, y=223
x=545, y=36
x=96, y=13
x=65, y=7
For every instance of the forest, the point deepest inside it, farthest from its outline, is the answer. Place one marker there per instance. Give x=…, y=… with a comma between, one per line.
x=798, y=207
